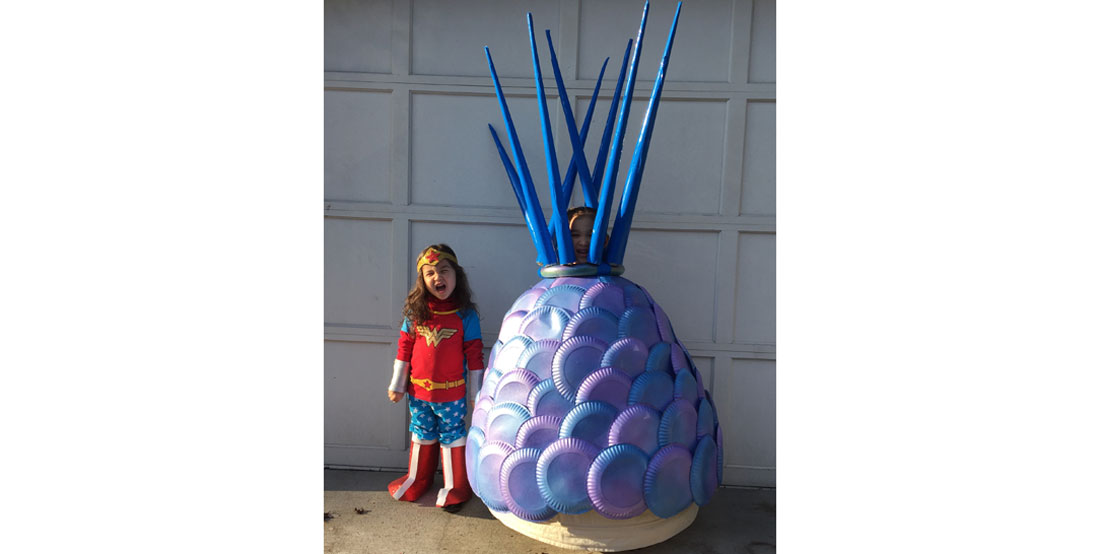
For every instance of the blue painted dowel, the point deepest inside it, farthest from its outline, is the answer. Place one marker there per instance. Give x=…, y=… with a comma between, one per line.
x=512, y=177
x=571, y=173
x=532, y=209
x=557, y=218
x=616, y=248
x=605, y=142
x=607, y=191
x=580, y=161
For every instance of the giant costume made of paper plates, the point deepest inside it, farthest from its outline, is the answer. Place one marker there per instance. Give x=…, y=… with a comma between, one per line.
x=592, y=428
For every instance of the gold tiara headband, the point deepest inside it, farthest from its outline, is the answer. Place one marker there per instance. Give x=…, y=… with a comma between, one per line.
x=432, y=257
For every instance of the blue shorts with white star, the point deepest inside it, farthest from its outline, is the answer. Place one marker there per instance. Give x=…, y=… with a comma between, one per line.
x=445, y=421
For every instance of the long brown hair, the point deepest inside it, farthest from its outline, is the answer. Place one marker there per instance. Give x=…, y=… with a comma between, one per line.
x=416, y=303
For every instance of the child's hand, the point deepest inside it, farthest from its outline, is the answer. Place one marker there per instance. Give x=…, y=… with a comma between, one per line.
x=395, y=396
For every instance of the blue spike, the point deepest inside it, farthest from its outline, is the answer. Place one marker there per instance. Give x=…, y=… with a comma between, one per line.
x=616, y=248
x=605, y=142
x=607, y=191
x=557, y=219
x=571, y=174
x=532, y=209
x=579, y=160
x=512, y=177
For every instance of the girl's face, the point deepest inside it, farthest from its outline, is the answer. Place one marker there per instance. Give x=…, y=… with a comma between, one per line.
x=439, y=279
x=581, y=229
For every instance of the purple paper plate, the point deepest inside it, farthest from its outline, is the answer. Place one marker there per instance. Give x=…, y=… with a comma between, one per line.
x=574, y=360
x=582, y=282
x=605, y=295
x=538, y=357
x=635, y=296
x=562, y=473
x=707, y=419
x=515, y=386
x=704, y=471
x=489, y=462
x=718, y=447
x=475, y=439
x=508, y=354
x=593, y=322
x=605, y=385
x=637, y=425
x=678, y=423
x=667, y=485
x=489, y=384
x=590, y=422
x=676, y=354
x=481, y=412
x=615, y=481
x=519, y=487
x=493, y=355
x=686, y=386
x=639, y=323
x=538, y=432
x=653, y=388
x=627, y=355
x=527, y=300
x=545, y=322
x=510, y=326
x=546, y=400
x=567, y=297
x=664, y=326
x=659, y=358
x=504, y=420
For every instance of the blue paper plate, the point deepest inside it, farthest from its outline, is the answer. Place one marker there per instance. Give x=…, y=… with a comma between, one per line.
x=489, y=463
x=590, y=422
x=678, y=423
x=519, y=487
x=515, y=386
x=605, y=385
x=719, y=448
x=489, y=384
x=593, y=322
x=635, y=296
x=538, y=357
x=667, y=484
x=527, y=300
x=653, y=388
x=637, y=425
x=677, y=356
x=567, y=297
x=510, y=326
x=686, y=386
x=628, y=355
x=607, y=296
x=615, y=481
x=707, y=419
x=562, y=474
x=508, y=354
x=664, y=326
x=575, y=360
x=493, y=355
x=704, y=471
x=582, y=282
x=475, y=439
x=545, y=322
x=546, y=400
x=639, y=323
x=481, y=412
x=538, y=432
x=504, y=420
x=659, y=358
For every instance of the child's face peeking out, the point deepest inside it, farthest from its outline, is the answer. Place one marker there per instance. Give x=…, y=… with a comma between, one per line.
x=439, y=279
x=581, y=230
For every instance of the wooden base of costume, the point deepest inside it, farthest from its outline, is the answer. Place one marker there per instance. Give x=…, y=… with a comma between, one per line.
x=591, y=531
x=423, y=459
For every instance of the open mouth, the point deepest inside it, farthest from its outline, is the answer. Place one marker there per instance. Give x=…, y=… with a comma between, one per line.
x=440, y=287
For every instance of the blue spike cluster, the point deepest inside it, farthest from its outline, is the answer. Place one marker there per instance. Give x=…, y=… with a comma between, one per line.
x=546, y=237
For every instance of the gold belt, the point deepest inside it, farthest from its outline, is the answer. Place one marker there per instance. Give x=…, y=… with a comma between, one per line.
x=428, y=384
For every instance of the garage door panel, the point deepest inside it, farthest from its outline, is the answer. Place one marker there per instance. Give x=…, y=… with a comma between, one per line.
x=498, y=258
x=754, y=299
x=448, y=37
x=758, y=168
x=453, y=156
x=357, y=145
x=357, y=412
x=605, y=26
x=358, y=35
x=762, y=50
x=747, y=416
x=358, y=272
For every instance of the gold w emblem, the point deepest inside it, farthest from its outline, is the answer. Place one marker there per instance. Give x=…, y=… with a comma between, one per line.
x=433, y=336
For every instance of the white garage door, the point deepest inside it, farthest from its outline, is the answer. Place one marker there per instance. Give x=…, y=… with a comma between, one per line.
x=409, y=162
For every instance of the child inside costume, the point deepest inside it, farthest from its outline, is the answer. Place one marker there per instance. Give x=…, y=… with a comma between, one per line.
x=440, y=342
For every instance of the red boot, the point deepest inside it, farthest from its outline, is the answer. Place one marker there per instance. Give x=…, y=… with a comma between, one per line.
x=423, y=459
x=456, y=487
